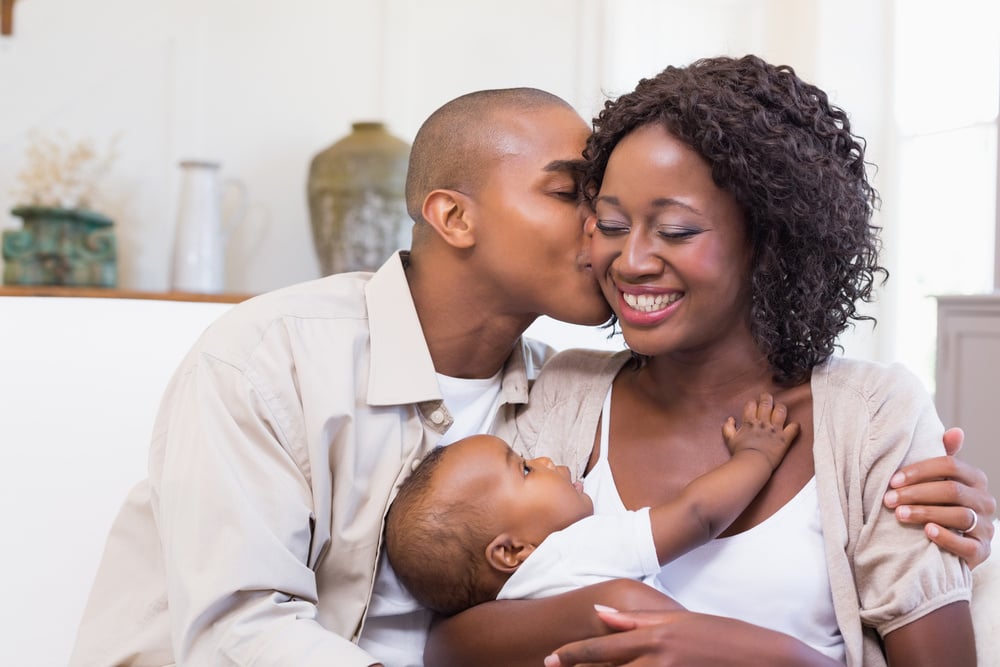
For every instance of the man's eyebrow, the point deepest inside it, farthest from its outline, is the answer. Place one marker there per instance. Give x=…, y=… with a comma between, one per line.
x=660, y=202
x=573, y=167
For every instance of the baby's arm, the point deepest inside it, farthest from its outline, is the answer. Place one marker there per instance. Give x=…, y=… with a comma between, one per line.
x=713, y=501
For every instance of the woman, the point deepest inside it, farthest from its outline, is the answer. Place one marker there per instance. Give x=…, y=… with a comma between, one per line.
x=733, y=238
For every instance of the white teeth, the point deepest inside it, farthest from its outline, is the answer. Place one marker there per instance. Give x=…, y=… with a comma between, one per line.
x=647, y=303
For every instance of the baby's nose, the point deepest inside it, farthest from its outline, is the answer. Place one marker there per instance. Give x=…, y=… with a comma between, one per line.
x=544, y=462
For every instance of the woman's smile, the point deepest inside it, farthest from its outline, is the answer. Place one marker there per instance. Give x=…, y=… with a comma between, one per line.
x=646, y=307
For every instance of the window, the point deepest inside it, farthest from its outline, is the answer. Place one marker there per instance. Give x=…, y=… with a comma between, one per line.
x=945, y=221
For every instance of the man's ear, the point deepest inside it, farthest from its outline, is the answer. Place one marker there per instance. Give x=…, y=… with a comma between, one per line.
x=506, y=553
x=449, y=213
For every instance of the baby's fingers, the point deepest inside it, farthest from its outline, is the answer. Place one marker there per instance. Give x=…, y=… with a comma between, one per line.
x=729, y=429
x=790, y=432
x=765, y=407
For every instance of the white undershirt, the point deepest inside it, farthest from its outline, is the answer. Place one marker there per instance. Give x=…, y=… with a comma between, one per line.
x=396, y=625
x=773, y=575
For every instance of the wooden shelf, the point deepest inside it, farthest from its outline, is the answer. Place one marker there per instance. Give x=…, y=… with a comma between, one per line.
x=106, y=293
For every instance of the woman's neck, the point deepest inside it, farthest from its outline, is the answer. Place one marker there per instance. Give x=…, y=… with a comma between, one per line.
x=717, y=375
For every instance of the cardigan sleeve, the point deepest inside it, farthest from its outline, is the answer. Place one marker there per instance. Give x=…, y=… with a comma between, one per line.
x=564, y=406
x=899, y=574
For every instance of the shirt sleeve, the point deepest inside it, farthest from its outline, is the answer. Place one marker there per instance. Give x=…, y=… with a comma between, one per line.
x=234, y=513
x=595, y=549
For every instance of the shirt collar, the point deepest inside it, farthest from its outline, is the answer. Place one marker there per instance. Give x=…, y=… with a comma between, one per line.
x=401, y=367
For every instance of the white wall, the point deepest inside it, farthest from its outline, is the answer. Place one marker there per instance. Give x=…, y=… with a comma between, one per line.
x=262, y=86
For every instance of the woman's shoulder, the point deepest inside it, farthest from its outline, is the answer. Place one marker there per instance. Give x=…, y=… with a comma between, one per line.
x=869, y=408
x=868, y=380
x=577, y=372
x=585, y=362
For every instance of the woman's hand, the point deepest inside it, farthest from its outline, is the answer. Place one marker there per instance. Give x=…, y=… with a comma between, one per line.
x=951, y=499
x=668, y=638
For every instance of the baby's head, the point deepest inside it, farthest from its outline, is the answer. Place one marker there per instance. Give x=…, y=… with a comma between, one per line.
x=470, y=514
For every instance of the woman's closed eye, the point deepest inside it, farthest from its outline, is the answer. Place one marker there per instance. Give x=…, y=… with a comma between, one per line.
x=678, y=233
x=610, y=227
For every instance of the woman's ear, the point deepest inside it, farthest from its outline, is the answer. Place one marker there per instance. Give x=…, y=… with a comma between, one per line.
x=506, y=553
x=449, y=213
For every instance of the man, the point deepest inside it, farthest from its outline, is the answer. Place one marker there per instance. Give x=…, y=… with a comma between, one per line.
x=282, y=438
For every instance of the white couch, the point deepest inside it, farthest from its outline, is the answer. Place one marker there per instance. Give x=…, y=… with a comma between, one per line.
x=80, y=380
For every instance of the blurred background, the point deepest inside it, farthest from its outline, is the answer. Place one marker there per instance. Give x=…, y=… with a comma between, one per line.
x=261, y=87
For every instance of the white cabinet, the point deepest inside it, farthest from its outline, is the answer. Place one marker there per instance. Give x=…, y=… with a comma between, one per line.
x=968, y=375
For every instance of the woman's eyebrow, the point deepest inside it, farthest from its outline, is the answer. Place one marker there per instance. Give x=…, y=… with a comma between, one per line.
x=659, y=202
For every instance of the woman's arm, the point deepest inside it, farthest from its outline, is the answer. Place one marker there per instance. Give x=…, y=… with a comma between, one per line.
x=942, y=637
x=939, y=493
x=666, y=639
x=514, y=633
x=518, y=633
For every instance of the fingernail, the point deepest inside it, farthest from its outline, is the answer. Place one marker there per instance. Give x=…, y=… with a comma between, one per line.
x=891, y=498
x=903, y=512
x=605, y=608
x=552, y=660
x=898, y=479
x=932, y=530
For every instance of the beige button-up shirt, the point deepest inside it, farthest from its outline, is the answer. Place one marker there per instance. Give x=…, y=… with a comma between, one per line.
x=277, y=449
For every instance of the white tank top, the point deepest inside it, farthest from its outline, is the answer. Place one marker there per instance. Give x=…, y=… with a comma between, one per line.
x=773, y=575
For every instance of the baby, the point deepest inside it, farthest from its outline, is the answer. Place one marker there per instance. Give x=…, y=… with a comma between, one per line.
x=477, y=522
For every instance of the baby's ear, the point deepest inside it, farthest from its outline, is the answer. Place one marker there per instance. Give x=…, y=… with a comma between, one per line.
x=506, y=553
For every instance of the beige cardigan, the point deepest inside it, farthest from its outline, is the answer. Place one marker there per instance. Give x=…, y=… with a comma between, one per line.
x=869, y=420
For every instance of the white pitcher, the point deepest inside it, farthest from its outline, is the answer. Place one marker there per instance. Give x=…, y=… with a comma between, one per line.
x=199, y=255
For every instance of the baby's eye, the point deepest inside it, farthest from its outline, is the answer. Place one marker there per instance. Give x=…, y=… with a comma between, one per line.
x=525, y=468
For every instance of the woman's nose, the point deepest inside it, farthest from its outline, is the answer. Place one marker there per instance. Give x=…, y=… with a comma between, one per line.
x=638, y=256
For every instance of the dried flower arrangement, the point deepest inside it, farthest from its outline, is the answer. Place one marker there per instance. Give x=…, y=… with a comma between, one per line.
x=61, y=173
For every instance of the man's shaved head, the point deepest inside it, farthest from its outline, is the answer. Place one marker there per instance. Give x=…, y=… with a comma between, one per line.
x=458, y=143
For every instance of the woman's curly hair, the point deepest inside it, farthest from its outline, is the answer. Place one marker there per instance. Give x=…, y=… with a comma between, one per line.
x=789, y=158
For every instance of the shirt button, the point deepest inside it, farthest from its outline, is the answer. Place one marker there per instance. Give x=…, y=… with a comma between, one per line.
x=416, y=462
x=437, y=417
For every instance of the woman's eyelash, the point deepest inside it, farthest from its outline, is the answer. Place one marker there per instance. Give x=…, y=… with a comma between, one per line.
x=610, y=226
x=679, y=234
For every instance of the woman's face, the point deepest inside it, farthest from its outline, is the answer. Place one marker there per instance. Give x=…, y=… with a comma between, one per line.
x=669, y=247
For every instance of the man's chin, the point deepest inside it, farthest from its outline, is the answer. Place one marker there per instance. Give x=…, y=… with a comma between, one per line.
x=593, y=318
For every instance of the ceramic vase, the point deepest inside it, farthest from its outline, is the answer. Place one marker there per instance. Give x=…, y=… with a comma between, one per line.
x=357, y=203
x=59, y=246
x=202, y=231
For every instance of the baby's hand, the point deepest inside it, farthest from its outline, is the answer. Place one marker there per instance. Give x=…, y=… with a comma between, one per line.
x=763, y=429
